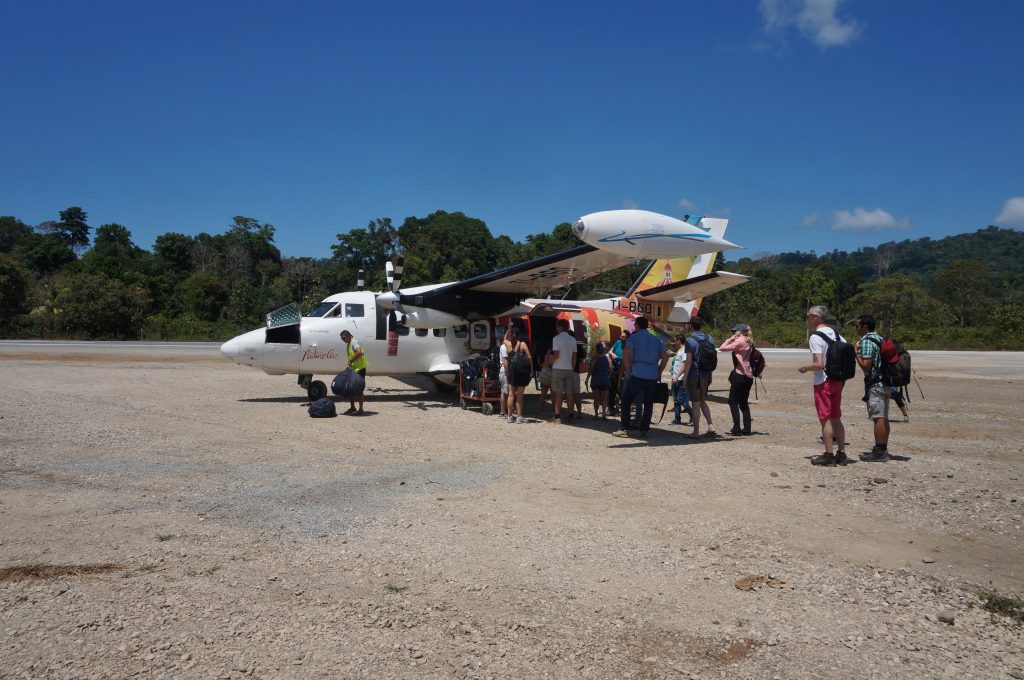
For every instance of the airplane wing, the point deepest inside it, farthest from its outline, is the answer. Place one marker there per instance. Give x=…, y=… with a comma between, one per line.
x=490, y=294
x=694, y=288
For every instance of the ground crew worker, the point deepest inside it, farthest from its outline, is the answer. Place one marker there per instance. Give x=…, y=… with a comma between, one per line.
x=358, y=363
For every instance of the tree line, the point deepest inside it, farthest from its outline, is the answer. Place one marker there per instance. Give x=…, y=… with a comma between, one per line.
x=62, y=279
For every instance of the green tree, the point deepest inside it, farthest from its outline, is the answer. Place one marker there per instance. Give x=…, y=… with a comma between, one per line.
x=897, y=303
x=14, y=291
x=369, y=249
x=96, y=306
x=75, y=228
x=961, y=284
x=114, y=254
x=12, y=230
x=44, y=253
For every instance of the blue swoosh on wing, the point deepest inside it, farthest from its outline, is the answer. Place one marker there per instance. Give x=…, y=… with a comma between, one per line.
x=616, y=238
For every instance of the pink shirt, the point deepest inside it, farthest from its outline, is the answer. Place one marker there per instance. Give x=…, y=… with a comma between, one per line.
x=739, y=345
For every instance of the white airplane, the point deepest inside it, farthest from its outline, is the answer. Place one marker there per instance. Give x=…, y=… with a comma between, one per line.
x=439, y=325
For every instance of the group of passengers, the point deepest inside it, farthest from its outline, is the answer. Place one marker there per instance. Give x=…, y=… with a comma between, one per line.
x=626, y=377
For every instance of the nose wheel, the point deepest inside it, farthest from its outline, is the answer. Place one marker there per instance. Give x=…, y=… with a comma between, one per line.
x=316, y=390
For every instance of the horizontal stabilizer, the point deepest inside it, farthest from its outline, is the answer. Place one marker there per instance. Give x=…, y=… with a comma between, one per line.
x=693, y=288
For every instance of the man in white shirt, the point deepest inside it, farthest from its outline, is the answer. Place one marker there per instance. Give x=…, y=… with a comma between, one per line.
x=563, y=358
x=828, y=394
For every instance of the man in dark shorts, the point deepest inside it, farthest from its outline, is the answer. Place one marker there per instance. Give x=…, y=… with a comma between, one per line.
x=697, y=381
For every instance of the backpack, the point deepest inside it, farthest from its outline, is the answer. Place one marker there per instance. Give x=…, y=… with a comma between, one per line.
x=322, y=408
x=756, y=359
x=519, y=362
x=840, y=358
x=348, y=383
x=895, y=368
x=757, y=362
x=707, y=354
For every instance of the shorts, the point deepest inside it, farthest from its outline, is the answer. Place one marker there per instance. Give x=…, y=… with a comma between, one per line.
x=698, y=388
x=828, y=399
x=503, y=380
x=601, y=382
x=561, y=379
x=878, y=402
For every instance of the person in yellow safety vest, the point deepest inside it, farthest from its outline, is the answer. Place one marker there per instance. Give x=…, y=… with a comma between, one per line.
x=357, y=361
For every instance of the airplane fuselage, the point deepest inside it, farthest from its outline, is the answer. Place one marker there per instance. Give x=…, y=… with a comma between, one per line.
x=315, y=346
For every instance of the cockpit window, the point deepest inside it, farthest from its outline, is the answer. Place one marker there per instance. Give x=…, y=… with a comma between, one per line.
x=325, y=308
x=353, y=310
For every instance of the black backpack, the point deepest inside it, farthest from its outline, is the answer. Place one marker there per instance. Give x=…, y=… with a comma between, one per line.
x=707, y=354
x=519, y=362
x=840, y=358
x=322, y=408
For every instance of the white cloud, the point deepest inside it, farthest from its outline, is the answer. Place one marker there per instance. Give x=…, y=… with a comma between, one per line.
x=687, y=204
x=1012, y=214
x=815, y=19
x=867, y=220
x=629, y=204
x=810, y=221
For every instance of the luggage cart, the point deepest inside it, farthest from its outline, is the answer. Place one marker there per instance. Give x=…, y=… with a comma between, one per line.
x=488, y=394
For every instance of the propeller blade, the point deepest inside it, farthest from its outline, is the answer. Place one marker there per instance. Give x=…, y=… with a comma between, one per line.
x=360, y=279
x=389, y=274
x=399, y=266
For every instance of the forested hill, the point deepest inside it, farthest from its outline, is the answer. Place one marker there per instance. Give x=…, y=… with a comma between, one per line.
x=962, y=291
x=1001, y=251
x=61, y=278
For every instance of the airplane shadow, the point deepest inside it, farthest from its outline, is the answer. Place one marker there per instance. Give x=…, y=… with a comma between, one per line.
x=370, y=396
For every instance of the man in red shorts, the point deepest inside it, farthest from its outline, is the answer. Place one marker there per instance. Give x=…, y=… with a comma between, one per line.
x=828, y=394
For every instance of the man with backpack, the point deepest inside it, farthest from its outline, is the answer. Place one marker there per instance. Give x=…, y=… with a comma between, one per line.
x=701, y=361
x=833, y=364
x=645, y=358
x=876, y=392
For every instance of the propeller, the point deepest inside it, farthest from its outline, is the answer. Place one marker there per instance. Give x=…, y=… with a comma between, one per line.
x=393, y=273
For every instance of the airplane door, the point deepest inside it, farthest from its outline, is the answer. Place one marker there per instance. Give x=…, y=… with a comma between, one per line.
x=481, y=336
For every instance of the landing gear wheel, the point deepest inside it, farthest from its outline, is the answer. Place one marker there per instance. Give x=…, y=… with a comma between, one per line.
x=487, y=408
x=463, y=404
x=316, y=390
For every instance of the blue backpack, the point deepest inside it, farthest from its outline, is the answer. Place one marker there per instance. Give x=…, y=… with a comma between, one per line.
x=348, y=383
x=322, y=408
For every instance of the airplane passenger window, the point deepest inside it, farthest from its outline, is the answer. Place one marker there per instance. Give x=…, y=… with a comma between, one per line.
x=353, y=310
x=440, y=332
x=421, y=332
x=461, y=331
x=480, y=332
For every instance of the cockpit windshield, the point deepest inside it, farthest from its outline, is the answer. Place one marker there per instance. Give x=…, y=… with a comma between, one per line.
x=325, y=308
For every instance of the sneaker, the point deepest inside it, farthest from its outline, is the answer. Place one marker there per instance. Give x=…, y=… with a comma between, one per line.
x=876, y=455
x=688, y=423
x=677, y=421
x=841, y=458
x=642, y=434
x=826, y=459
x=735, y=431
x=906, y=419
x=622, y=434
x=520, y=420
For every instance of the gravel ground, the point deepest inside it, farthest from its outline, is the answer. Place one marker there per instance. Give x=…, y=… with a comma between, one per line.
x=426, y=541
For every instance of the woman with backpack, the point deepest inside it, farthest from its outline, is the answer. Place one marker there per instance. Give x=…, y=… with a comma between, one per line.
x=599, y=379
x=520, y=364
x=741, y=344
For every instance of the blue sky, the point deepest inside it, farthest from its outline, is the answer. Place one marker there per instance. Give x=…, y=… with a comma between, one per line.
x=811, y=124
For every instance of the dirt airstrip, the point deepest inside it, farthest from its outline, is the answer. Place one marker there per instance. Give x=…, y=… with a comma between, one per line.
x=166, y=513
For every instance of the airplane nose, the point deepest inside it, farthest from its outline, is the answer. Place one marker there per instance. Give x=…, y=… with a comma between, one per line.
x=231, y=349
